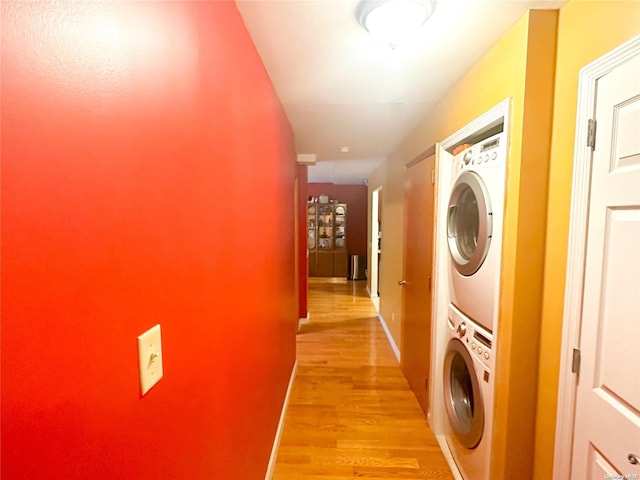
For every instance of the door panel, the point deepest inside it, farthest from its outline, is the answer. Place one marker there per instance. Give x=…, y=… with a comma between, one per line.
x=619, y=346
x=600, y=467
x=324, y=264
x=340, y=264
x=609, y=384
x=418, y=264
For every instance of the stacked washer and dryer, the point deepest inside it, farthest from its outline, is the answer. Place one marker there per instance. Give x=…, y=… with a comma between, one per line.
x=474, y=237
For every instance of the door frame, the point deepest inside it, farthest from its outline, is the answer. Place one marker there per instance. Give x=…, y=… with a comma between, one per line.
x=500, y=113
x=574, y=285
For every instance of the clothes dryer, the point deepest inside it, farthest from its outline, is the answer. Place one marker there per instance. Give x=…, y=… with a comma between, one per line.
x=474, y=229
x=468, y=391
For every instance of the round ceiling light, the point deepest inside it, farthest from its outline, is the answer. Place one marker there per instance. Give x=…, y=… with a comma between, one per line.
x=392, y=22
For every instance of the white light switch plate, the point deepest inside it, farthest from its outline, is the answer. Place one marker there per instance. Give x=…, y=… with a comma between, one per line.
x=150, y=358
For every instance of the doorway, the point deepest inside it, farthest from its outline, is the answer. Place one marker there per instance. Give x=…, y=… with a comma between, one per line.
x=600, y=331
x=376, y=247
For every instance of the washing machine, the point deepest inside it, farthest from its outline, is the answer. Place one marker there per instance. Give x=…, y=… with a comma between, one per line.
x=474, y=229
x=468, y=395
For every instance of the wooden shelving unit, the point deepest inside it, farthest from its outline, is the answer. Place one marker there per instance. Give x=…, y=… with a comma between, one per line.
x=327, y=239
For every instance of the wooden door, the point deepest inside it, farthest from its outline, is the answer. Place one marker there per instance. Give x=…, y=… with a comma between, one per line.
x=607, y=420
x=418, y=265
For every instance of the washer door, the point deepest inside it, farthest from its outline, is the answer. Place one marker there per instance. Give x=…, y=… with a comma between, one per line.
x=469, y=223
x=462, y=395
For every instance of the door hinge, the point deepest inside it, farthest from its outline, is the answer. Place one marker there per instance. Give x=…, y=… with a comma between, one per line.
x=433, y=177
x=575, y=362
x=591, y=134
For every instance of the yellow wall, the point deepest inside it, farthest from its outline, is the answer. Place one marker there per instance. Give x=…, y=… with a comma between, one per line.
x=586, y=31
x=491, y=81
x=390, y=175
x=520, y=66
x=523, y=259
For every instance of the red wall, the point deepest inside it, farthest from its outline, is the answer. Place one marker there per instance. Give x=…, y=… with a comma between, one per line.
x=135, y=136
x=355, y=196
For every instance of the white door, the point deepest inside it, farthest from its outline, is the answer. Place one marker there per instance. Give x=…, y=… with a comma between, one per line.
x=606, y=441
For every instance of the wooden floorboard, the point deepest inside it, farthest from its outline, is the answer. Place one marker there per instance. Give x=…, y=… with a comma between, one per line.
x=351, y=413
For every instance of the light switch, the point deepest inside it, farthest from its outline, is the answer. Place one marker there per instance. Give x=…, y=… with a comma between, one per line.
x=149, y=358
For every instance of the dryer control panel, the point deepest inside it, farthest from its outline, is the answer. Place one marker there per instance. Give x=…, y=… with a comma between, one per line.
x=478, y=340
x=487, y=153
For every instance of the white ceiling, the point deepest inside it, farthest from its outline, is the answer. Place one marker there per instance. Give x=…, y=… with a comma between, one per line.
x=340, y=88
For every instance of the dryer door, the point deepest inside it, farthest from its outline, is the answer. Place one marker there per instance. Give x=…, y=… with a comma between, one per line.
x=462, y=395
x=469, y=223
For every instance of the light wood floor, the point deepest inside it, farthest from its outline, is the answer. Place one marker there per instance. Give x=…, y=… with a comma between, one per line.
x=351, y=412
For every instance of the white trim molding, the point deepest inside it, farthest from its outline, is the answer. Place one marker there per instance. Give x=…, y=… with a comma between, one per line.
x=306, y=159
x=276, y=441
x=498, y=113
x=303, y=321
x=572, y=316
x=392, y=342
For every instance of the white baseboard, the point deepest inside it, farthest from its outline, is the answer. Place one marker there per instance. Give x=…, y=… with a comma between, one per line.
x=283, y=414
x=303, y=321
x=392, y=342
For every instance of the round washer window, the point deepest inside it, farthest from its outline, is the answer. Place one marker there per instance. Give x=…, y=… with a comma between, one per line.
x=463, y=399
x=461, y=391
x=469, y=223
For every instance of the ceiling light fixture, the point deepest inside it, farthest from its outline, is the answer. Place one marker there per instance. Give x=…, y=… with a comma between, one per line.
x=392, y=22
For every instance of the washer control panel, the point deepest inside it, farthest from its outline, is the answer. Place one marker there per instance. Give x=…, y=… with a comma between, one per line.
x=488, y=152
x=478, y=340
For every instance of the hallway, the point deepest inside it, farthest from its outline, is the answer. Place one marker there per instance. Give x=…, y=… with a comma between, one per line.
x=351, y=412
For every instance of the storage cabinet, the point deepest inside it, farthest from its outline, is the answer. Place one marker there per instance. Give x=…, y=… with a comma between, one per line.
x=327, y=239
